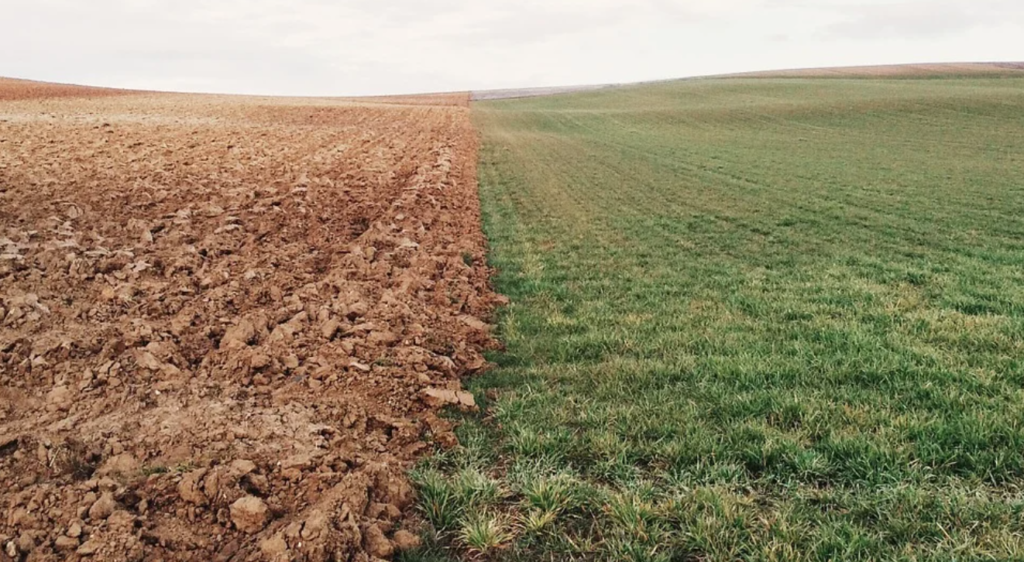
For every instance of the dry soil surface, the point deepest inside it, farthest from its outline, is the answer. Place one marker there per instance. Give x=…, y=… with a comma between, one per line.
x=226, y=323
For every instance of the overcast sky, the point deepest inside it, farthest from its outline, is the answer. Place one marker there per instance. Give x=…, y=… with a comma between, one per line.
x=355, y=47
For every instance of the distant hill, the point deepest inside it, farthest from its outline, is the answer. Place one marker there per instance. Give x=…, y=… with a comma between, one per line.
x=879, y=71
x=894, y=70
x=16, y=89
x=482, y=95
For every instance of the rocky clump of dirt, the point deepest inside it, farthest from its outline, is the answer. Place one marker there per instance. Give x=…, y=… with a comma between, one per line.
x=226, y=323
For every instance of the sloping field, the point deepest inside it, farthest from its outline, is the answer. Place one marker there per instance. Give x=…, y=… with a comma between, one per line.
x=225, y=322
x=12, y=89
x=484, y=95
x=966, y=69
x=897, y=70
x=752, y=320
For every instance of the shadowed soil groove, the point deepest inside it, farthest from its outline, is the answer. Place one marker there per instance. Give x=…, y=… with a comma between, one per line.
x=226, y=322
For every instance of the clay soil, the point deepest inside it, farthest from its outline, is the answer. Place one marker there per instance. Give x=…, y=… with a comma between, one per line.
x=226, y=323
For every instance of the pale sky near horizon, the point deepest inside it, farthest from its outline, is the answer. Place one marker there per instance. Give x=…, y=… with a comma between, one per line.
x=365, y=47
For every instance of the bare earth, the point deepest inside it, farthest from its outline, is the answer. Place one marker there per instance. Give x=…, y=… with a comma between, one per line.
x=226, y=322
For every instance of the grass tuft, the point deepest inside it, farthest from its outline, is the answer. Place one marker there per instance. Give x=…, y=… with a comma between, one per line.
x=549, y=495
x=483, y=533
x=440, y=501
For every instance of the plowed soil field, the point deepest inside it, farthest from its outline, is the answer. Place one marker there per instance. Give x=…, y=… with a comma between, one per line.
x=226, y=322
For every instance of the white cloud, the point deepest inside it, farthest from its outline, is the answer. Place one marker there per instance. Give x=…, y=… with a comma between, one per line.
x=347, y=47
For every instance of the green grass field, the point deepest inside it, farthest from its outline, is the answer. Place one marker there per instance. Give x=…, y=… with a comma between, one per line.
x=777, y=319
